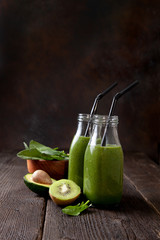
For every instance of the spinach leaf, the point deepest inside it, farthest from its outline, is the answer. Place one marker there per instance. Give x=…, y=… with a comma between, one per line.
x=37, y=145
x=77, y=209
x=41, y=148
x=25, y=145
x=37, y=151
x=52, y=152
x=33, y=154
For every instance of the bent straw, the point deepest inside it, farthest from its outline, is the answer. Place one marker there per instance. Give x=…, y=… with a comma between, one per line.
x=95, y=104
x=113, y=105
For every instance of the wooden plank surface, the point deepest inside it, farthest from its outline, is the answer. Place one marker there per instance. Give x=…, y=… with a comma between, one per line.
x=133, y=219
x=24, y=215
x=145, y=176
x=21, y=211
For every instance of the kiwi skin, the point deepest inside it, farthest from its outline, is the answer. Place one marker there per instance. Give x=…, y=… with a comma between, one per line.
x=64, y=202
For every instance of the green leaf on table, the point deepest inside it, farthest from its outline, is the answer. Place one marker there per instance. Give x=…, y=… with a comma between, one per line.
x=77, y=209
x=37, y=151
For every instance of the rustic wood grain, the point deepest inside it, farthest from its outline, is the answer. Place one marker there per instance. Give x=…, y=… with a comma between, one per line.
x=145, y=176
x=133, y=219
x=24, y=215
x=21, y=211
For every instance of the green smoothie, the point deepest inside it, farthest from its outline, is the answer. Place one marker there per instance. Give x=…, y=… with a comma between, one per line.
x=103, y=174
x=76, y=159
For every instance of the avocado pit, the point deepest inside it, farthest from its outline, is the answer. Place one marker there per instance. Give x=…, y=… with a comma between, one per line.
x=40, y=176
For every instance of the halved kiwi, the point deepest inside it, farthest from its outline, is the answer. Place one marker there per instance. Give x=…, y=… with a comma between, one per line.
x=64, y=192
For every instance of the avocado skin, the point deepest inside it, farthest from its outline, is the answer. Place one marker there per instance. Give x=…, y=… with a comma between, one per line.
x=41, y=189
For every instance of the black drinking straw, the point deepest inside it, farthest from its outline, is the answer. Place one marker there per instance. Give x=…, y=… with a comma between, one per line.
x=95, y=104
x=113, y=105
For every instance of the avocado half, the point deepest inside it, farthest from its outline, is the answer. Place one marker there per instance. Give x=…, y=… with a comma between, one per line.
x=39, y=188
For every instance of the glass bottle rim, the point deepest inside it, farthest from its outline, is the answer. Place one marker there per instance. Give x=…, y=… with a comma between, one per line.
x=103, y=119
x=83, y=117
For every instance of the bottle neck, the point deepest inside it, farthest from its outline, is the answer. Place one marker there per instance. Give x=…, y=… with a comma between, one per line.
x=112, y=135
x=83, y=120
x=99, y=124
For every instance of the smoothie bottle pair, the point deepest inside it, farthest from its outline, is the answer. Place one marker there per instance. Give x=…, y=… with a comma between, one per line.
x=97, y=169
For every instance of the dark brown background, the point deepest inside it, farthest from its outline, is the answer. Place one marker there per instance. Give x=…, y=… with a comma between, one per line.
x=57, y=55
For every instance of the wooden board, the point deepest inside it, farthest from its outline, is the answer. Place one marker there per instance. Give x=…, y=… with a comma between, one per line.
x=145, y=176
x=21, y=211
x=25, y=215
x=134, y=219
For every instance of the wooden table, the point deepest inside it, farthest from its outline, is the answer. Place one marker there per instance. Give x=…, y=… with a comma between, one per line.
x=26, y=216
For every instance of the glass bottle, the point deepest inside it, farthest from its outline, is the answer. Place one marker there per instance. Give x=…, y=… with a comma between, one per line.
x=77, y=150
x=103, y=165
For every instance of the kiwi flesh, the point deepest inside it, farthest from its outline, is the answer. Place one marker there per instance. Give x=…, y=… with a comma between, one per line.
x=64, y=192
